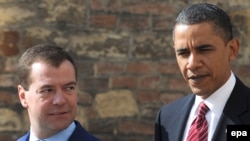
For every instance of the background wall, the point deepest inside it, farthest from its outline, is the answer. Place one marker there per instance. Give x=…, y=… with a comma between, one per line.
x=127, y=66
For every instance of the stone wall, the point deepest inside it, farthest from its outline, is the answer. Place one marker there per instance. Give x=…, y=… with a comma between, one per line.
x=127, y=68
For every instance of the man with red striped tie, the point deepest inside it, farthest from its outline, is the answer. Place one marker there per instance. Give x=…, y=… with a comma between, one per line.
x=205, y=47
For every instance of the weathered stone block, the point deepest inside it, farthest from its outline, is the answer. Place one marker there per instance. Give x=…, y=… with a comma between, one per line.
x=81, y=116
x=116, y=104
x=9, y=120
x=14, y=14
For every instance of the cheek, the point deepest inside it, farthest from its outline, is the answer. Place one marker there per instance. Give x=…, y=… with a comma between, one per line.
x=30, y=101
x=72, y=100
x=181, y=65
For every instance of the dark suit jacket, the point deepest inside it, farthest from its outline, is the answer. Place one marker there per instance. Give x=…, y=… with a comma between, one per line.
x=79, y=134
x=171, y=119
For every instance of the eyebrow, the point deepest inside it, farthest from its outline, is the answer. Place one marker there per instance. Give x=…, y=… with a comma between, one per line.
x=200, y=47
x=50, y=86
x=204, y=46
x=70, y=83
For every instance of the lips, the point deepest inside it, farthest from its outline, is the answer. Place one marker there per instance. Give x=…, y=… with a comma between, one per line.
x=57, y=113
x=196, y=77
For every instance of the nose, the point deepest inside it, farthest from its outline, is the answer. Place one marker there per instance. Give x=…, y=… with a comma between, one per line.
x=59, y=98
x=194, y=61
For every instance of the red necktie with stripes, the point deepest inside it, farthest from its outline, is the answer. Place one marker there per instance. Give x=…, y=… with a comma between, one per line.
x=199, y=127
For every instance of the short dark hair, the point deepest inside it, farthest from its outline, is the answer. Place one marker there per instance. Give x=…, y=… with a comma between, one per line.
x=205, y=12
x=51, y=54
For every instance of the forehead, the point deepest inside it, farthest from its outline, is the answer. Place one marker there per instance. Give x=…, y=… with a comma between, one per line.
x=195, y=34
x=41, y=70
x=205, y=28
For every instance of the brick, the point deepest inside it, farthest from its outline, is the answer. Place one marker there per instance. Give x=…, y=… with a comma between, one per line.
x=92, y=113
x=147, y=96
x=8, y=98
x=106, y=137
x=177, y=84
x=9, y=42
x=93, y=85
x=137, y=138
x=7, y=80
x=27, y=41
x=134, y=22
x=162, y=23
x=170, y=67
x=105, y=5
x=140, y=67
x=101, y=45
x=135, y=127
x=147, y=8
x=152, y=47
x=149, y=82
x=85, y=98
x=7, y=137
x=124, y=82
x=244, y=70
x=110, y=68
x=9, y=67
x=104, y=21
x=102, y=126
x=150, y=110
x=97, y=4
x=170, y=97
x=114, y=6
x=10, y=36
x=85, y=68
x=2, y=63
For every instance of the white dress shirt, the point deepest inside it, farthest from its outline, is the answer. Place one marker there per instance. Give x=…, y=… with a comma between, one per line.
x=61, y=136
x=216, y=103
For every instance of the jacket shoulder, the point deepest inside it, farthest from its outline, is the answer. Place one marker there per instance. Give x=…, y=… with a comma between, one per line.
x=24, y=138
x=81, y=134
x=175, y=106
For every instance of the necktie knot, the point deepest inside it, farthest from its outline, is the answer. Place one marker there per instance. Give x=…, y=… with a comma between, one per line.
x=203, y=109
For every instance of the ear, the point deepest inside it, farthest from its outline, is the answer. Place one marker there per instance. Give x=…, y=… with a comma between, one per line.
x=234, y=46
x=22, y=96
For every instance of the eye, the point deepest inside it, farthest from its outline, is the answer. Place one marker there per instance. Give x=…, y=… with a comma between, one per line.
x=205, y=48
x=46, y=91
x=70, y=88
x=183, y=52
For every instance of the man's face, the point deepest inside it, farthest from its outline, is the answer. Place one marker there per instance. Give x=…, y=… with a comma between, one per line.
x=51, y=100
x=203, y=57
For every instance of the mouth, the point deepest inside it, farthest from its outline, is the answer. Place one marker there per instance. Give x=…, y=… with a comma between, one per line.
x=57, y=113
x=197, y=78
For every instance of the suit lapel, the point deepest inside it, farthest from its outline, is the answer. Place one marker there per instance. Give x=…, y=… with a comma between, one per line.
x=220, y=133
x=179, y=124
x=237, y=103
x=233, y=111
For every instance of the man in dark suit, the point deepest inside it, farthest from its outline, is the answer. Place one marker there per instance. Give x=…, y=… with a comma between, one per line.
x=47, y=88
x=204, y=47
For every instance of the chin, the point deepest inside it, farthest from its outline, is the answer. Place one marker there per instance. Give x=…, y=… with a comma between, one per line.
x=197, y=91
x=201, y=94
x=61, y=125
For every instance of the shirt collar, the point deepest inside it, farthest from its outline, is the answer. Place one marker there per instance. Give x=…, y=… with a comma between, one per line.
x=217, y=101
x=61, y=136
